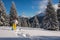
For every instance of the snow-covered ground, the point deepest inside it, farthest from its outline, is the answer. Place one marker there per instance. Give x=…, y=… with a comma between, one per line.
x=26, y=32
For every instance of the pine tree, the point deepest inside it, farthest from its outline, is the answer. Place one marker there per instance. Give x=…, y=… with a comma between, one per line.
x=2, y=14
x=7, y=20
x=58, y=13
x=35, y=22
x=28, y=23
x=19, y=21
x=50, y=20
x=24, y=22
x=13, y=13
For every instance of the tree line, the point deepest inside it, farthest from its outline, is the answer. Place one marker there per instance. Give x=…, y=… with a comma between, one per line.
x=51, y=20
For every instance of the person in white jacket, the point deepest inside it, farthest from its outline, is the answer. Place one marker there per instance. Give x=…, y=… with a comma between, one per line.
x=15, y=22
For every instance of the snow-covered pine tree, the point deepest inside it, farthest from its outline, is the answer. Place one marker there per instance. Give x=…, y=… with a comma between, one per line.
x=24, y=22
x=7, y=20
x=50, y=20
x=58, y=13
x=2, y=14
x=19, y=21
x=35, y=22
x=29, y=25
x=13, y=13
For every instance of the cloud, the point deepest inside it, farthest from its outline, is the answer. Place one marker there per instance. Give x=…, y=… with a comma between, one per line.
x=42, y=6
x=55, y=6
x=23, y=15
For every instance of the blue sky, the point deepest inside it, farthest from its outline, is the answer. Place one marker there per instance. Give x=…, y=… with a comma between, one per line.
x=28, y=7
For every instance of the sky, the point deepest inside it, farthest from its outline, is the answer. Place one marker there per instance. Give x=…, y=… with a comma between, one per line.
x=27, y=7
